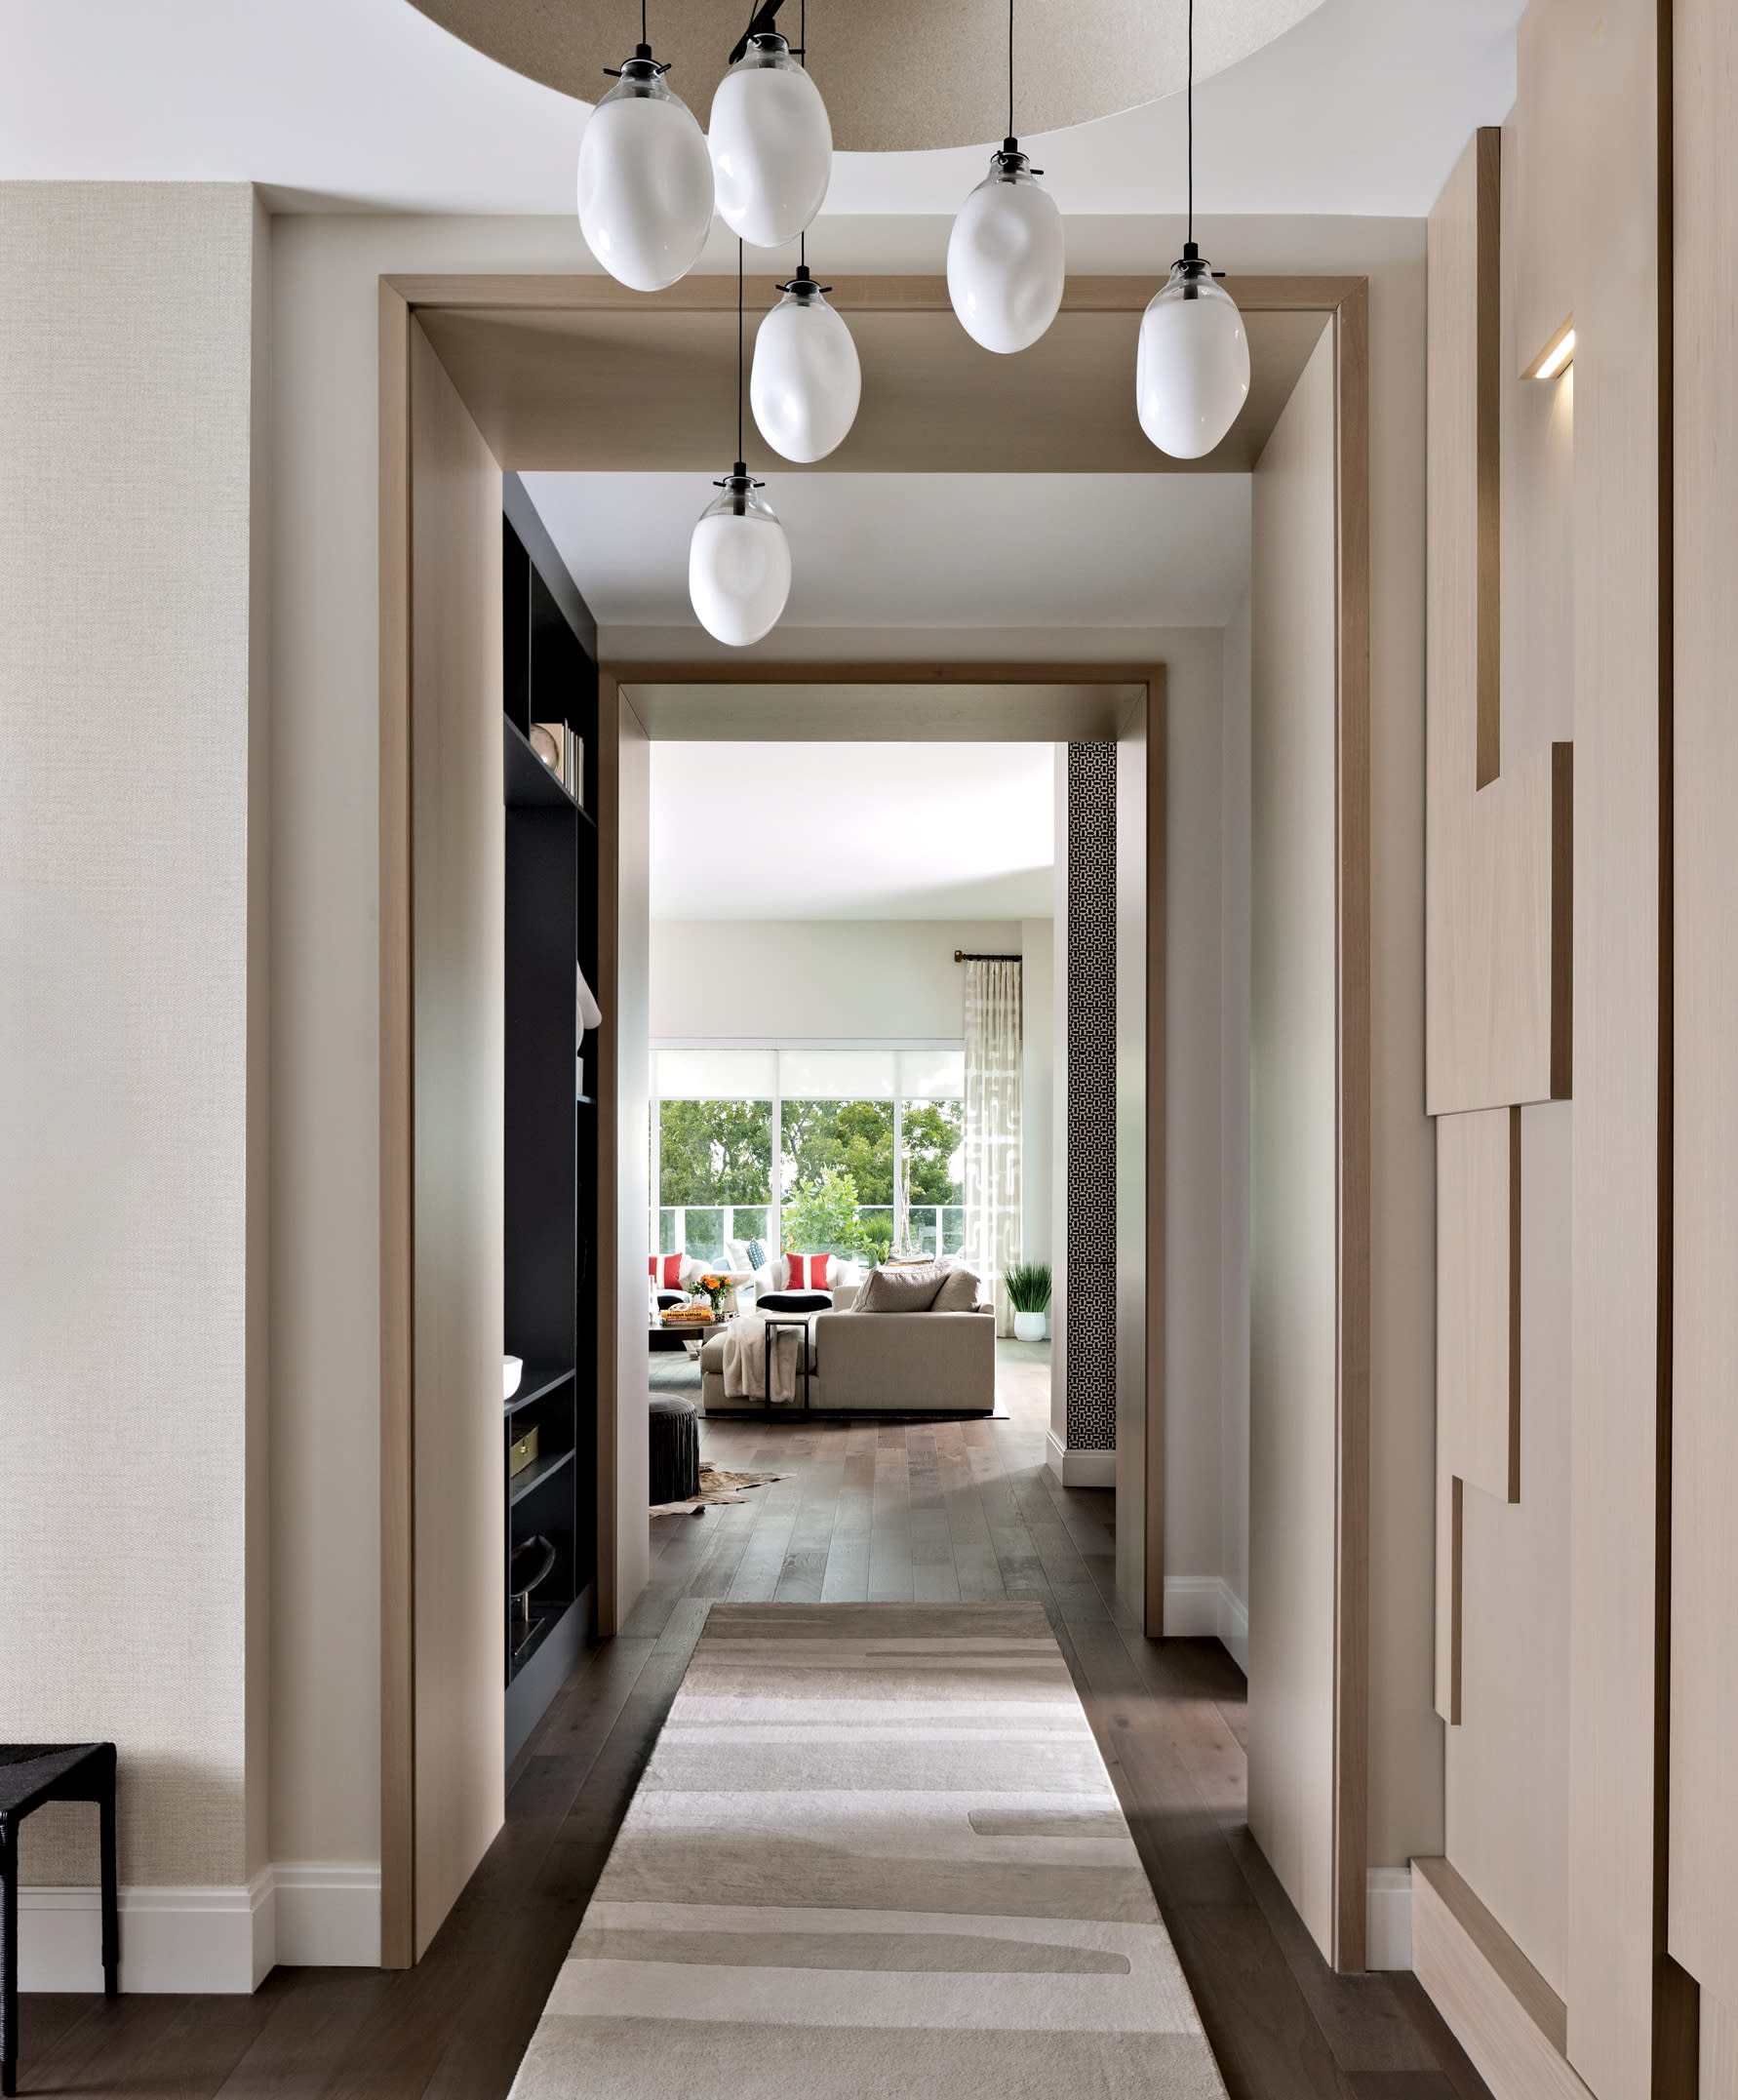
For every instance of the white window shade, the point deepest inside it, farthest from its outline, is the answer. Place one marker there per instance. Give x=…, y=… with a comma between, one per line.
x=842, y=1075
x=714, y=1075
x=933, y=1074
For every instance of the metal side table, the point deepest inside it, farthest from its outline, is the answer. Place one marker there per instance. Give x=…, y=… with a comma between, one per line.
x=775, y=1321
x=31, y=1775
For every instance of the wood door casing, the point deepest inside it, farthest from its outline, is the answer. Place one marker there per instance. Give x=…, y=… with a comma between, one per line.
x=442, y=902
x=1345, y=301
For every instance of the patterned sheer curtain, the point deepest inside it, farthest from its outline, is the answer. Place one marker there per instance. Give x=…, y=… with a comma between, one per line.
x=993, y=1127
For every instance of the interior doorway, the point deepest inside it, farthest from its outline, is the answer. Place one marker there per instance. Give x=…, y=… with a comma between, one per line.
x=484, y=373
x=1109, y=706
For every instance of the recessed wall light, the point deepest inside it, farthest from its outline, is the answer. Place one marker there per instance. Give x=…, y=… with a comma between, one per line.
x=1557, y=354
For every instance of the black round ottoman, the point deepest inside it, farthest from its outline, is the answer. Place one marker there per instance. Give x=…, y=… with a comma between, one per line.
x=673, y=1435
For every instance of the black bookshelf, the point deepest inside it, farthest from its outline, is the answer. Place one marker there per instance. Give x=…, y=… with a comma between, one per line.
x=551, y=1130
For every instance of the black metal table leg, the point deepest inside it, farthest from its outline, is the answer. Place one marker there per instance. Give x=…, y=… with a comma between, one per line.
x=111, y=1894
x=8, y=1955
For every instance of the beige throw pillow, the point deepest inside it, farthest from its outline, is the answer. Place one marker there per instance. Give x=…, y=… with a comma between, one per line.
x=899, y=1290
x=959, y=1290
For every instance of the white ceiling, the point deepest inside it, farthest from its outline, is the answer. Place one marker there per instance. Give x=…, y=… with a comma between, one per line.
x=926, y=550
x=851, y=831
x=1362, y=108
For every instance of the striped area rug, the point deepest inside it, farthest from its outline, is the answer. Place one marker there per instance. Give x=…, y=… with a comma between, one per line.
x=876, y=1853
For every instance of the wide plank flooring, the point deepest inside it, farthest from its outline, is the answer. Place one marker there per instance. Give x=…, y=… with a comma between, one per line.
x=891, y=1511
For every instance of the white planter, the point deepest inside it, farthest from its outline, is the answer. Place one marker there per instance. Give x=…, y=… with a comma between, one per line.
x=1029, y=1327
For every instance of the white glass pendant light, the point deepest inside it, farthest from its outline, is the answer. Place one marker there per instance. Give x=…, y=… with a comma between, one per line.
x=1191, y=369
x=645, y=178
x=806, y=380
x=738, y=558
x=739, y=563
x=1005, y=260
x=770, y=140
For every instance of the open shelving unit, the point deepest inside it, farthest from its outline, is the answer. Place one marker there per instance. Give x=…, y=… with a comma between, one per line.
x=550, y=1188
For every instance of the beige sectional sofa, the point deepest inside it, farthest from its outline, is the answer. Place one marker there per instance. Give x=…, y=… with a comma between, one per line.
x=883, y=1364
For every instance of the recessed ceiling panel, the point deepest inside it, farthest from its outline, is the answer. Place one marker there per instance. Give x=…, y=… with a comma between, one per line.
x=651, y=389
x=899, y=74
x=926, y=550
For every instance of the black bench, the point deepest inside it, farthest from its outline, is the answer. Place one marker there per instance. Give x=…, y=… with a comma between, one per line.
x=31, y=1775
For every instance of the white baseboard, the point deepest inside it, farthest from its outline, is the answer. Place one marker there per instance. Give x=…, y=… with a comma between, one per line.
x=1079, y=1469
x=305, y=1914
x=329, y=1914
x=1389, y=1915
x=1208, y=1606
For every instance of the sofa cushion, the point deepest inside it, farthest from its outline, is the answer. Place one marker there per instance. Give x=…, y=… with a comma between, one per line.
x=959, y=1290
x=666, y=1269
x=793, y=1302
x=807, y=1272
x=901, y=1289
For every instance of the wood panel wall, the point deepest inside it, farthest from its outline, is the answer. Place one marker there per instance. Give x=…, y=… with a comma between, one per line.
x=1548, y=963
x=1610, y=72
x=1703, y=1864
x=1496, y=1009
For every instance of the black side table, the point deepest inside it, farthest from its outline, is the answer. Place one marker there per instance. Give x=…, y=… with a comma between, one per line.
x=31, y=1773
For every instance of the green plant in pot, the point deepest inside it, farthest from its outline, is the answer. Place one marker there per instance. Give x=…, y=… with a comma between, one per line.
x=1029, y=1294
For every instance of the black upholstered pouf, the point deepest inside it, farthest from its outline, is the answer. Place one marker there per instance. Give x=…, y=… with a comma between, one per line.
x=673, y=1434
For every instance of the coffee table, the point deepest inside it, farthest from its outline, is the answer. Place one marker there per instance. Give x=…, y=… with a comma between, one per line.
x=694, y=1334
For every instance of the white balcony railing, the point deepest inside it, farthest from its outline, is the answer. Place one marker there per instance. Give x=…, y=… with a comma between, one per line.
x=702, y=1229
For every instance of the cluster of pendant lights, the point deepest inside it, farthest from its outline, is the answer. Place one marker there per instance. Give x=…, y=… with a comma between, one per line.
x=649, y=183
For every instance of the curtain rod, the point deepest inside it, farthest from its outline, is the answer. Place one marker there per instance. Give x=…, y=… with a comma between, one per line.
x=959, y=956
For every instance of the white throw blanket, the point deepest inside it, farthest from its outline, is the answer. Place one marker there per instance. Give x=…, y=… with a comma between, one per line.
x=746, y=1360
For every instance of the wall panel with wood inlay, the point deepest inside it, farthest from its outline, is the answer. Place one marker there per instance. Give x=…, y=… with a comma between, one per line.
x=1608, y=65
x=1497, y=1018
x=1477, y=1349
x=1703, y=1881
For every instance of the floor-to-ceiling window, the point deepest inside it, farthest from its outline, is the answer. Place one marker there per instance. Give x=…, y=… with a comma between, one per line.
x=849, y=1148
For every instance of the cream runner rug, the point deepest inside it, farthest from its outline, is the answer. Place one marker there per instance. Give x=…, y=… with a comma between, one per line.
x=876, y=1853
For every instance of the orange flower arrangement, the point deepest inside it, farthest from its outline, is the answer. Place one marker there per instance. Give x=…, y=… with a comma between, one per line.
x=714, y=1286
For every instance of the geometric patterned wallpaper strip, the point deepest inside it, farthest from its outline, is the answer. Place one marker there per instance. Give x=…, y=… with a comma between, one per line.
x=1092, y=1097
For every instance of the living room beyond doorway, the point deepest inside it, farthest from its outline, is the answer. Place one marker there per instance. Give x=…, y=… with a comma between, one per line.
x=852, y=1077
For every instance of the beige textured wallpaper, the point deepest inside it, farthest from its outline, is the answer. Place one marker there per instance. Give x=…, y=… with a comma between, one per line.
x=126, y=498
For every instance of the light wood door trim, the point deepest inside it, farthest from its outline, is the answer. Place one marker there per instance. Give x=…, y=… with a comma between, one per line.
x=1352, y=1580
x=1157, y=1042
x=861, y=294
x=1345, y=299
x=398, y=1451
x=1151, y=681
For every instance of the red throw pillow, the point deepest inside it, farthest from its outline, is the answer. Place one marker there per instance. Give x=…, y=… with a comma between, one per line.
x=808, y=1272
x=672, y=1266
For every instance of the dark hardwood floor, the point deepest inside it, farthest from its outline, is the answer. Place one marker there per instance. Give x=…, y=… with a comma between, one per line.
x=867, y=1510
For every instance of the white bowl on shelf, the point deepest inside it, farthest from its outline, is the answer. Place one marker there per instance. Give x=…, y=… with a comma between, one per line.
x=512, y=1371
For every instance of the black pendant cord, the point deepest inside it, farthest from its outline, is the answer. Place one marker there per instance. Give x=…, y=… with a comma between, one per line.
x=739, y=467
x=1010, y=124
x=803, y=237
x=643, y=36
x=1189, y=103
